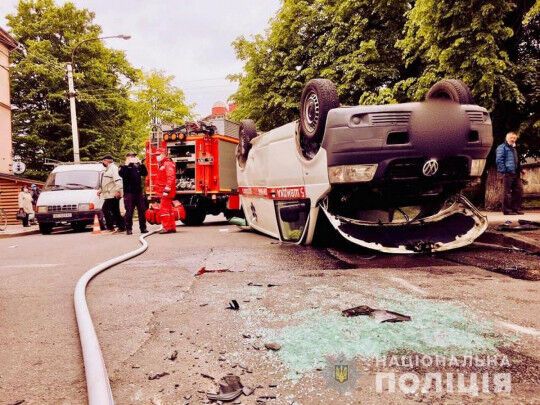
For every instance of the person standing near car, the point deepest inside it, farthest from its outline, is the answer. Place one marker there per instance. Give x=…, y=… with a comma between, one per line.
x=165, y=187
x=132, y=172
x=509, y=168
x=110, y=190
x=25, y=206
x=35, y=192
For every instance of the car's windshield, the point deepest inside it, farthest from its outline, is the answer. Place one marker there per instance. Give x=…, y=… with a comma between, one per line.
x=73, y=180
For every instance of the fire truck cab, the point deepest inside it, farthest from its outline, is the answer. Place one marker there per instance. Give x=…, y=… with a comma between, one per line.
x=204, y=154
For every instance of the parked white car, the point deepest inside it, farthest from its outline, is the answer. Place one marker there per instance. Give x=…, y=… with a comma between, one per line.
x=385, y=177
x=70, y=197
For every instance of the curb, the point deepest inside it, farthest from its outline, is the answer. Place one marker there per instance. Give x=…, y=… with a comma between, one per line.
x=14, y=235
x=504, y=239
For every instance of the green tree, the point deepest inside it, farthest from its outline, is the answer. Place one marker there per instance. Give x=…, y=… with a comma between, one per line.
x=48, y=33
x=154, y=96
x=394, y=51
x=492, y=45
x=350, y=42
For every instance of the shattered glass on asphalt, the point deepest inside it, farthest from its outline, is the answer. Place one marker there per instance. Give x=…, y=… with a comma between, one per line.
x=308, y=336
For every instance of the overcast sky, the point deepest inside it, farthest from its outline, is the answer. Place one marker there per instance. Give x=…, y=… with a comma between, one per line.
x=190, y=39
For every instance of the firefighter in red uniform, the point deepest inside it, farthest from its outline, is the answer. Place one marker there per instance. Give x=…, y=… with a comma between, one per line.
x=166, y=188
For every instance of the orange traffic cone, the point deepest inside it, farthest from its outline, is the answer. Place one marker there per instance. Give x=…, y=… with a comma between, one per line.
x=96, y=228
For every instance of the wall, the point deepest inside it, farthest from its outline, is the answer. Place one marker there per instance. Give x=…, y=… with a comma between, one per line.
x=9, y=195
x=5, y=113
x=532, y=178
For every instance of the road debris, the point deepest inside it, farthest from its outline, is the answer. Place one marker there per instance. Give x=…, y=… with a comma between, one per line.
x=230, y=388
x=157, y=376
x=233, y=304
x=204, y=270
x=380, y=315
x=528, y=222
x=241, y=222
x=172, y=356
x=523, y=225
x=272, y=346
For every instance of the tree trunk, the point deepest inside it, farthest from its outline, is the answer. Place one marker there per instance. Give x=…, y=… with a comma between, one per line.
x=494, y=190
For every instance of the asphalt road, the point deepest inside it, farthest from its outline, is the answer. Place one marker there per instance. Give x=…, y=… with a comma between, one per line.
x=167, y=336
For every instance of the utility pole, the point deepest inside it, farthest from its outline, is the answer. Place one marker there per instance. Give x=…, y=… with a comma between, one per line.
x=71, y=89
x=72, y=108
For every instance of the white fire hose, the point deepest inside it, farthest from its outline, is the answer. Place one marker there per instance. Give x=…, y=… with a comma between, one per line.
x=97, y=379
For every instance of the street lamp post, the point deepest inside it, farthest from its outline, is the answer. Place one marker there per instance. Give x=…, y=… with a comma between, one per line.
x=71, y=93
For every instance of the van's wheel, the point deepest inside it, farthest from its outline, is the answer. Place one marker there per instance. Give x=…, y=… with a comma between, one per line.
x=45, y=229
x=318, y=98
x=247, y=132
x=194, y=217
x=451, y=89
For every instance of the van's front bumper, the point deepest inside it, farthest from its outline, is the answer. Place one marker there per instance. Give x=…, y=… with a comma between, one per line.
x=67, y=217
x=453, y=227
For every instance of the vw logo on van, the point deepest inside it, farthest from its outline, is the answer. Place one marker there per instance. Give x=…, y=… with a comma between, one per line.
x=430, y=167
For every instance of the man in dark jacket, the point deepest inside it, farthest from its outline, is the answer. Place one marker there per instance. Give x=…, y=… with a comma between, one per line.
x=132, y=172
x=508, y=166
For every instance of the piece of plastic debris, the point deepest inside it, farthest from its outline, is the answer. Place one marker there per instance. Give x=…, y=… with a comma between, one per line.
x=528, y=222
x=272, y=346
x=381, y=315
x=233, y=305
x=157, y=376
x=230, y=388
x=238, y=221
x=523, y=226
x=203, y=270
x=173, y=356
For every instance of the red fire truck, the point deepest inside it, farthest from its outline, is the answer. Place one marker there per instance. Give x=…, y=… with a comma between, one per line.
x=204, y=154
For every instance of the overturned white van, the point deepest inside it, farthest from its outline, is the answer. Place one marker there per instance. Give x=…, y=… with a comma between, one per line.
x=386, y=177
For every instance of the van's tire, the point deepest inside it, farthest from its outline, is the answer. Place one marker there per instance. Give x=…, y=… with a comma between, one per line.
x=451, y=89
x=247, y=132
x=46, y=229
x=318, y=98
x=194, y=217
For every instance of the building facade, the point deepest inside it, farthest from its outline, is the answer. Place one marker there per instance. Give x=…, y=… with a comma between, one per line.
x=7, y=44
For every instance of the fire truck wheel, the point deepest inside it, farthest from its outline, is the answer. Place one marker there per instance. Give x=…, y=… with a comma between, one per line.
x=247, y=132
x=318, y=98
x=194, y=217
